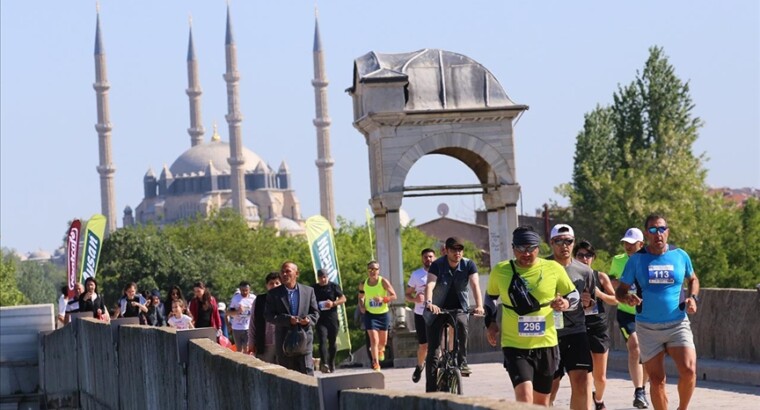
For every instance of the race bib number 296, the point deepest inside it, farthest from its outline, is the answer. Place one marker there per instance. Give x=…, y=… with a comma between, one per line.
x=531, y=326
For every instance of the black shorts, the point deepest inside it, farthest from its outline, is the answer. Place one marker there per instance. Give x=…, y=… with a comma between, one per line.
x=598, y=339
x=627, y=323
x=574, y=354
x=532, y=365
x=419, y=326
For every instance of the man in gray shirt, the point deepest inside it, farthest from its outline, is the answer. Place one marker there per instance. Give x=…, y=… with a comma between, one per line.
x=574, y=348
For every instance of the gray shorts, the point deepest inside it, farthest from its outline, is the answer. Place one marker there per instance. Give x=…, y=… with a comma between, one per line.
x=656, y=337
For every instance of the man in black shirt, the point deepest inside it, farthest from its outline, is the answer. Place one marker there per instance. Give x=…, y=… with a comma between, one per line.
x=329, y=296
x=448, y=286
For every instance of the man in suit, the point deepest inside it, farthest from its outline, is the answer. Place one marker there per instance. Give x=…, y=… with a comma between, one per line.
x=288, y=305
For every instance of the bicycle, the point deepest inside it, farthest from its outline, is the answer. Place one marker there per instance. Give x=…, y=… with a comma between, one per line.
x=449, y=376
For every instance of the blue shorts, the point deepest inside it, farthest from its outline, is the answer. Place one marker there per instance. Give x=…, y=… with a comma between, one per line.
x=373, y=321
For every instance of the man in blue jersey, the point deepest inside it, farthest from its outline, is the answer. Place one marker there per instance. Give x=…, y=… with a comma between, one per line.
x=660, y=273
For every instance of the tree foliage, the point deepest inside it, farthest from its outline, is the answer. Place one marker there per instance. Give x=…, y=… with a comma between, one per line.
x=10, y=295
x=635, y=157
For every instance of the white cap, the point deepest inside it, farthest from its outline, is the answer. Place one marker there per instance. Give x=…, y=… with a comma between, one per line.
x=221, y=306
x=566, y=230
x=633, y=235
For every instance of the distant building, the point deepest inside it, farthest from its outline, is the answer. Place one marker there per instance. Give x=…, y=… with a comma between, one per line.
x=213, y=175
x=477, y=233
x=739, y=196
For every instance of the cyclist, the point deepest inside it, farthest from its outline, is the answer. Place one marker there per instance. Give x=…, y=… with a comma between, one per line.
x=449, y=280
x=529, y=342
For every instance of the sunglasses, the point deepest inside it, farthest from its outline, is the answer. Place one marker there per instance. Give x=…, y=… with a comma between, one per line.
x=525, y=248
x=657, y=229
x=566, y=242
x=585, y=255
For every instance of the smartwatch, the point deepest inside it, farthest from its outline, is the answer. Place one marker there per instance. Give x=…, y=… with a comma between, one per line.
x=695, y=297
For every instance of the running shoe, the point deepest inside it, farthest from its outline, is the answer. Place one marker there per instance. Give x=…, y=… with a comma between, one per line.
x=465, y=369
x=640, y=399
x=376, y=366
x=417, y=373
x=381, y=355
x=600, y=405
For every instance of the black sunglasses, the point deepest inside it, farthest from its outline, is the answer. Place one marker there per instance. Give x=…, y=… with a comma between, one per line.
x=567, y=242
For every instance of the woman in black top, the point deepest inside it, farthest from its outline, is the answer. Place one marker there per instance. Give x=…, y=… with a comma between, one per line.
x=90, y=301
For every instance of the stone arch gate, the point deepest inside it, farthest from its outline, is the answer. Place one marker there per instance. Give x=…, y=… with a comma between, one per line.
x=434, y=102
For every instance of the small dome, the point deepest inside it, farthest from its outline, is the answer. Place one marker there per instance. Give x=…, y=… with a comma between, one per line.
x=289, y=225
x=39, y=255
x=197, y=158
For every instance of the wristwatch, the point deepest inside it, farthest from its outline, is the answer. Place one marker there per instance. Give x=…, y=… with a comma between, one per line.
x=695, y=297
x=428, y=303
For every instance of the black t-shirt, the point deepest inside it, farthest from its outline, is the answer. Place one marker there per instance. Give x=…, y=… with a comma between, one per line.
x=454, y=281
x=131, y=311
x=332, y=292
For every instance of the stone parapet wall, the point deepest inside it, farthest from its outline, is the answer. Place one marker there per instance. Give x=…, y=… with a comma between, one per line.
x=98, y=373
x=218, y=378
x=82, y=367
x=726, y=325
x=150, y=375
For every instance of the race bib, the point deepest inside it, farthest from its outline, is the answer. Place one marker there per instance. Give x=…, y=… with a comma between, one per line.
x=531, y=326
x=323, y=305
x=661, y=274
x=373, y=303
x=592, y=310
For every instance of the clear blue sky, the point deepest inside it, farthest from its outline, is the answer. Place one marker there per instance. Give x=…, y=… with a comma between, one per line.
x=560, y=58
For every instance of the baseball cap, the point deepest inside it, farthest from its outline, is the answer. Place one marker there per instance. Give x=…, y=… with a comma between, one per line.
x=561, y=229
x=454, y=242
x=321, y=272
x=633, y=235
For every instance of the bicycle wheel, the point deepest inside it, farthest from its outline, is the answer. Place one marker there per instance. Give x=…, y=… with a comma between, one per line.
x=442, y=380
x=455, y=381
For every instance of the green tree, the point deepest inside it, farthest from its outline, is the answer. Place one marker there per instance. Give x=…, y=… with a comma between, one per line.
x=10, y=295
x=40, y=281
x=635, y=157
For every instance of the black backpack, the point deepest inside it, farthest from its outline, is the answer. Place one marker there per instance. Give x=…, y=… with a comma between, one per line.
x=523, y=302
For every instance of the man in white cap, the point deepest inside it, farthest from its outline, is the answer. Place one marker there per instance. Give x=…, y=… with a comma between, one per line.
x=633, y=240
x=574, y=347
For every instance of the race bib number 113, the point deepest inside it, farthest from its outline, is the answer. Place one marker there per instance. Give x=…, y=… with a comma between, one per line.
x=661, y=274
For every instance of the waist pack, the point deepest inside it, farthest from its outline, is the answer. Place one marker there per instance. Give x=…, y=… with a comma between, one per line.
x=523, y=302
x=296, y=342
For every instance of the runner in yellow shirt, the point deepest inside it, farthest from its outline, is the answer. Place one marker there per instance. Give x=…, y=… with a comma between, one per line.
x=529, y=341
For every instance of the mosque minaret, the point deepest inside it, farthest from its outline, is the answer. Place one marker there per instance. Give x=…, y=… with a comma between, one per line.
x=105, y=168
x=234, y=118
x=322, y=123
x=194, y=93
x=213, y=175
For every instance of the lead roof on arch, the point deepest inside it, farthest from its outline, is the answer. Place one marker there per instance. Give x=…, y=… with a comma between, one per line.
x=437, y=79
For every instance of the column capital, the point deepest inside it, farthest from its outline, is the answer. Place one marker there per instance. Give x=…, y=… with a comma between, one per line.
x=386, y=202
x=504, y=195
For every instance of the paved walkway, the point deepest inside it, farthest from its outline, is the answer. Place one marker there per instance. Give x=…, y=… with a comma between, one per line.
x=491, y=380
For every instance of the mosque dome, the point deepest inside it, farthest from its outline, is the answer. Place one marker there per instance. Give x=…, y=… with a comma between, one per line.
x=196, y=159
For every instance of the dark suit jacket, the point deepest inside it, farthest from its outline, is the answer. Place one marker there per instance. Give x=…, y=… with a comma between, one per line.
x=259, y=323
x=278, y=312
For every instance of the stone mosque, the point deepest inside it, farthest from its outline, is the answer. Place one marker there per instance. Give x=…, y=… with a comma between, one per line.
x=213, y=175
